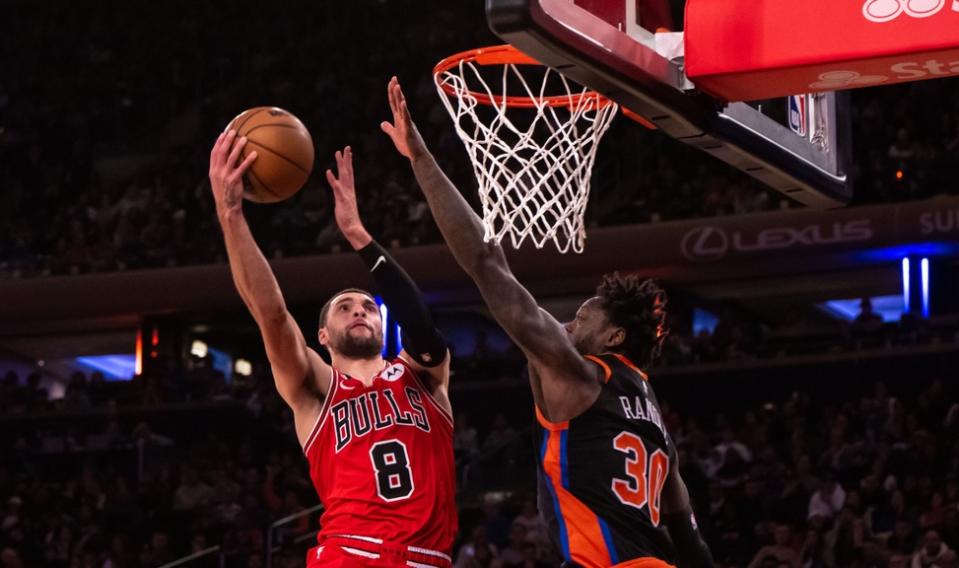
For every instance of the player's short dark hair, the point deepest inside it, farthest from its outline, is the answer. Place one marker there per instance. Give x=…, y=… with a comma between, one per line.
x=639, y=307
x=326, y=306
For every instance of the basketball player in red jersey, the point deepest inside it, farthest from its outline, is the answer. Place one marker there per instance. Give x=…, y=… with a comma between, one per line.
x=610, y=488
x=377, y=434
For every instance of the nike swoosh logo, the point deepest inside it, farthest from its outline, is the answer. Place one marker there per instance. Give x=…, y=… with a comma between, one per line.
x=343, y=386
x=379, y=261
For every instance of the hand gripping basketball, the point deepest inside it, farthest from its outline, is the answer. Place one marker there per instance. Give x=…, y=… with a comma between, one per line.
x=226, y=176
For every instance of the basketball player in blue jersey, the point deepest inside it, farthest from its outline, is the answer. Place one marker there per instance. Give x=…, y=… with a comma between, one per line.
x=609, y=480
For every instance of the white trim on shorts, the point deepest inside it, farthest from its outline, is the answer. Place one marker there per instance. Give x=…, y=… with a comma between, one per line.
x=373, y=540
x=358, y=552
x=365, y=538
x=429, y=552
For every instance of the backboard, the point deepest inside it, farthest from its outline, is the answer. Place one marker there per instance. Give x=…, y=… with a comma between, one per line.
x=607, y=46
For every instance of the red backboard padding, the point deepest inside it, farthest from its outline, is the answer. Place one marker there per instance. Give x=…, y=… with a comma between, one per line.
x=748, y=50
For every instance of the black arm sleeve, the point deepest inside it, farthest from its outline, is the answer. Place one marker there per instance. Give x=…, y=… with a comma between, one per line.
x=421, y=339
x=691, y=550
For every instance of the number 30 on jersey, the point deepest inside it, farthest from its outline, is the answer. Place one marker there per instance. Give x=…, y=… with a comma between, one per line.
x=645, y=475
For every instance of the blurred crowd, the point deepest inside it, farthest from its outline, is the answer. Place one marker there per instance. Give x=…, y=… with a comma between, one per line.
x=104, y=139
x=174, y=462
x=489, y=357
x=865, y=481
x=736, y=336
x=95, y=480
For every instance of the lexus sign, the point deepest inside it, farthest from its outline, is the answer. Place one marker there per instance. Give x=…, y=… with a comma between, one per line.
x=708, y=243
x=704, y=244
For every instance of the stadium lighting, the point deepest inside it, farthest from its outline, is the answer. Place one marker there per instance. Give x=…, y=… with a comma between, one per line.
x=384, y=316
x=243, y=367
x=120, y=366
x=889, y=308
x=198, y=348
x=905, y=285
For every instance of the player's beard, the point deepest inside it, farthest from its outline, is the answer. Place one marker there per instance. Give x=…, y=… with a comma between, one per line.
x=352, y=346
x=583, y=345
x=583, y=348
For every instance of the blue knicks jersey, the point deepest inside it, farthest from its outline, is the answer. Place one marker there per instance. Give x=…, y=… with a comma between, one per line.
x=600, y=474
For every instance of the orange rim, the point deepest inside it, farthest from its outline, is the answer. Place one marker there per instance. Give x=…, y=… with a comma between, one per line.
x=509, y=55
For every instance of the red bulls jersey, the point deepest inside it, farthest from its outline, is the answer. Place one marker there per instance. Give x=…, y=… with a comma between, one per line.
x=381, y=460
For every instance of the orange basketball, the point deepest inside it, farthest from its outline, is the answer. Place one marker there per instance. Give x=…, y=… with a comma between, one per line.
x=284, y=153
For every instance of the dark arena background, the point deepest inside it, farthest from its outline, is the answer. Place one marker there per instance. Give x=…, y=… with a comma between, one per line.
x=809, y=381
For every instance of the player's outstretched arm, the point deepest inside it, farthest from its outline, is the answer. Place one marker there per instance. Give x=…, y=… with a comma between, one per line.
x=425, y=347
x=691, y=550
x=568, y=378
x=300, y=374
x=460, y=226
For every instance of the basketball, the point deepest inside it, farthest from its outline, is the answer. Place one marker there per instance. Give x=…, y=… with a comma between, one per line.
x=284, y=150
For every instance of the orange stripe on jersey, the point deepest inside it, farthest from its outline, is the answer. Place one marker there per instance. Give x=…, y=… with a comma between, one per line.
x=583, y=533
x=601, y=363
x=644, y=563
x=551, y=426
x=630, y=364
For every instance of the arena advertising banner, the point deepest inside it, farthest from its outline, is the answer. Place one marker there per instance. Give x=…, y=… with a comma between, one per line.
x=746, y=50
x=819, y=232
x=690, y=249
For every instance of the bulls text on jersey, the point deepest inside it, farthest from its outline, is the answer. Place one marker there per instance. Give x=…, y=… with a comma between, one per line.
x=376, y=410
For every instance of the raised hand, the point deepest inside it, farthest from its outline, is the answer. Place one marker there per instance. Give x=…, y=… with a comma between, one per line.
x=226, y=176
x=402, y=131
x=345, y=209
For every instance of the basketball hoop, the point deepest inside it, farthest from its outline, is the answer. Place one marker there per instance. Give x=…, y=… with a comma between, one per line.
x=533, y=166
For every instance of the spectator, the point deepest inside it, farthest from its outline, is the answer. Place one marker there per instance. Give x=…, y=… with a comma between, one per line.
x=512, y=554
x=733, y=458
x=478, y=552
x=531, y=558
x=933, y=553
x=813, y=553
x=157, y=552
x=868, y=325
x=11, y=517
x=935, y=515
x=120, y=555
x=903, y=539
x=465, y=438
x=500, y=445
x=828, y=500
x=192, y=492
x=501, y=434
x=532, y=521
x=10, y=559
x=496, y=526
x=846, y=539
x=902, y=149
x=781, y=552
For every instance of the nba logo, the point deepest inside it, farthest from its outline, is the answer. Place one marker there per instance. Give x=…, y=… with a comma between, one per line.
x=798, y=114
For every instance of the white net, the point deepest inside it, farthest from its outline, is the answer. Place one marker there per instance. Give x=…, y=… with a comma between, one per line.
x=532, y=152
